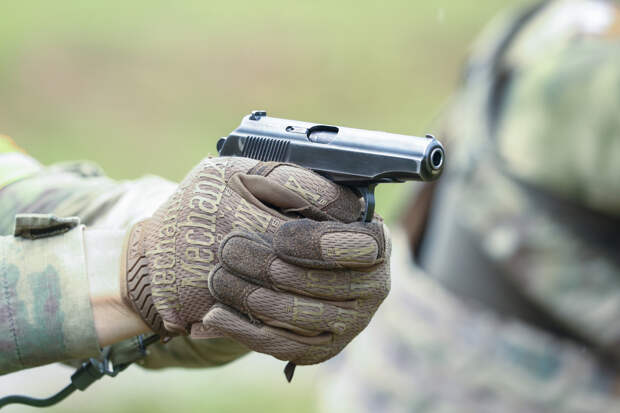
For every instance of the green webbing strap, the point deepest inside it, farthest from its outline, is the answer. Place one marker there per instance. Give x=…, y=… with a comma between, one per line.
x=500, y=74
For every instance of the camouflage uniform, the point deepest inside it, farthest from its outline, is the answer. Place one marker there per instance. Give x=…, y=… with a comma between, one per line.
x=514, y=304
x=45, y=310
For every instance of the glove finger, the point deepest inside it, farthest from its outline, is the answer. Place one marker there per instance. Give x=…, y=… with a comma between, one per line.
x=295, y=189
x=326, y=245
x=264, y=339
x=302, y=315
x=333, y=285
x=251, y=256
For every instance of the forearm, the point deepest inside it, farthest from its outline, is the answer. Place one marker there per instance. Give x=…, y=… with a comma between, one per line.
x=114, y=319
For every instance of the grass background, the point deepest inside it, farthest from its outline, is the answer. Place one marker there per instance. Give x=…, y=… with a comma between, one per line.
x=149, y=86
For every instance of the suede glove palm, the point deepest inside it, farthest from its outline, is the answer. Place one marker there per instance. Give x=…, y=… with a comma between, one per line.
x=268, y=254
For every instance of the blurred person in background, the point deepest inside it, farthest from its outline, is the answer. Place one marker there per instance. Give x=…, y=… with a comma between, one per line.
x=513, y=304
x=237, y=257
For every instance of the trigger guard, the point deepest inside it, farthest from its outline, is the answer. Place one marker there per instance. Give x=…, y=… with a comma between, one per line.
x=368, y=193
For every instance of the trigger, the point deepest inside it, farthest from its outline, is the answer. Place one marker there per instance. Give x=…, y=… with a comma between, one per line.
x=368, y=193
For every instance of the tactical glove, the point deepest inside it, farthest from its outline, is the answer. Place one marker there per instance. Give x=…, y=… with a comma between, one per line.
x=268, y=254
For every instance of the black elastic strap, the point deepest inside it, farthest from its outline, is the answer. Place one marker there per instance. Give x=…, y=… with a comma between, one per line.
x=289, y=370
x=83, y=377
x=29, y=401
x=90, y=371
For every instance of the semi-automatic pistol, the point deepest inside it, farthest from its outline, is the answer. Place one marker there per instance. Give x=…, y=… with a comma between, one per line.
x=357, y=158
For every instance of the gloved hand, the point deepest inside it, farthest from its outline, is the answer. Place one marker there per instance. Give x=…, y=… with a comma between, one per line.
x=228, y=255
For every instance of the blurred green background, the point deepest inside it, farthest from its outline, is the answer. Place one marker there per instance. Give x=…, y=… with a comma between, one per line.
x=149, y=86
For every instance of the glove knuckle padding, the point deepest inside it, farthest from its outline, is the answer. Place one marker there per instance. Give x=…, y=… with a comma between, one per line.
x=247, y=254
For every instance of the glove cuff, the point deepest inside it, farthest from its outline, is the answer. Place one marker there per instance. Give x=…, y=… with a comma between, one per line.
x=136, y=280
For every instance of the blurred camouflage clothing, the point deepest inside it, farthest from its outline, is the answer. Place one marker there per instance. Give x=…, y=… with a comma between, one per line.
x=523, y=237
x=45, y=299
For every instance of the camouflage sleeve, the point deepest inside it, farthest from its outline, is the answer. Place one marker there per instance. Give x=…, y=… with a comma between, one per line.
x=80, y=189
x=45, y=311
